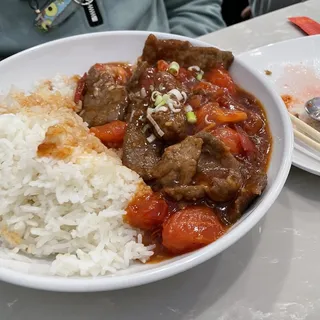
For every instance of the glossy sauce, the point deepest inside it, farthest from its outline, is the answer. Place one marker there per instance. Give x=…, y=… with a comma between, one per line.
x=252, y=149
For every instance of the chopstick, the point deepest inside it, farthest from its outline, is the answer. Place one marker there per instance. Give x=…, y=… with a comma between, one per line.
x=307, y=140
x=309, y=135
x=307, y=152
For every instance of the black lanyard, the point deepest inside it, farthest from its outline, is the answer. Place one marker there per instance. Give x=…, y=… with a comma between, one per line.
x=34, y=5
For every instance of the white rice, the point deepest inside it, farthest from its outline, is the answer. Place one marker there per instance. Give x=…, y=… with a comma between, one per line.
x=69, y=211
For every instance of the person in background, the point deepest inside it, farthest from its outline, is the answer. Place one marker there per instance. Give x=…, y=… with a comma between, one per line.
x=231, y=11
x=259, y=7
x=26, y=23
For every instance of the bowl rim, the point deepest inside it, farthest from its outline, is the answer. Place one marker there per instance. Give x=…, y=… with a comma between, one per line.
x=106, y=283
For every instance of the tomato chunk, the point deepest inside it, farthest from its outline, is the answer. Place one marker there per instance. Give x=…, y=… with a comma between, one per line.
x=253, y=124
x=196, y=101
x=211, y=112
x=119, y=71
x=191, y=229
x=230, y=138
x=185, y=75
x=204, y=113
x=230, y=116
x=208, y=88
x=221, y=78
x=111, y=134
x=245, y=140
x=147, y=211
x=78, y=96
x=162, y=65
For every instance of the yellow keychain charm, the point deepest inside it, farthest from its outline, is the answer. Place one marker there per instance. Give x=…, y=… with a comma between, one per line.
x=55, y=13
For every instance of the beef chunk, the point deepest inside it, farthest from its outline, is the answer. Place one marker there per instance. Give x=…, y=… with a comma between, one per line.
x=178, y=164
x=138, y=154
x=106, y=97
x=165, y=81
x=224, y=186
x=218, y=170
x=253, y=188
x=174, y=125
x=185, y=54
x=189, y=193
x=225, y=179
x=134, y=82
x=108, y=105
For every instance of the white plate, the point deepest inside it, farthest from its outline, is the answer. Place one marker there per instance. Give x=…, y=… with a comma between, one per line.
x=76, y=55
x=295, y=67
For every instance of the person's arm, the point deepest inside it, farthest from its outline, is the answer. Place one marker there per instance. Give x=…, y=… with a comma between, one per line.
x=194, y=18
x=259, y=7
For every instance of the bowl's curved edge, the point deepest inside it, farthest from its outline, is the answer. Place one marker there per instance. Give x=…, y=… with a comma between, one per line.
x=52, y=283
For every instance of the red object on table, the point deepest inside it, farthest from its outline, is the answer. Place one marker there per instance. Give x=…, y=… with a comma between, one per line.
x=309, y=26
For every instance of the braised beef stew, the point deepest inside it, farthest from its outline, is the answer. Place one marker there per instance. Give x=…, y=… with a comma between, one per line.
x=199, y=141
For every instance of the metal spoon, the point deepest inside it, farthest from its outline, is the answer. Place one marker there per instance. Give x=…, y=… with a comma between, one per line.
x=312, y=108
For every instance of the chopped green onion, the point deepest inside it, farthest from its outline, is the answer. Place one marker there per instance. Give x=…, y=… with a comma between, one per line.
x=150, y=110
x=194, y=68
x=184, y=95
x=165, y=97
x=151, y=138
x=188, y=108
x=176, y=93
x=156, y=126
x=206, y=120
x=154, y=95
x=158, y=100
x=173, y=107
x=145, y=128
x=174, y=68
x=161, y=108
x=191, y=117
x=161, y=100
x=199, y=76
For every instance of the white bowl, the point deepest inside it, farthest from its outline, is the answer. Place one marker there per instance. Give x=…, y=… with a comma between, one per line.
x=75, y=55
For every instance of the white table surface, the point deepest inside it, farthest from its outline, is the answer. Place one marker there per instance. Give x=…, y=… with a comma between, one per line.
x=270, y=274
